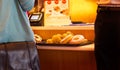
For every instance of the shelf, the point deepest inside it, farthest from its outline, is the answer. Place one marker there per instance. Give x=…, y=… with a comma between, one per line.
x=89, y=47
x=87, y=27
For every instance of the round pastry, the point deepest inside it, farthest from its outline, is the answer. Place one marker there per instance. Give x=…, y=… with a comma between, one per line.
x=77, y=39
x=66, y=39
x=67, y=33
x=38, y=39
x=49, y=41
x=56, y=38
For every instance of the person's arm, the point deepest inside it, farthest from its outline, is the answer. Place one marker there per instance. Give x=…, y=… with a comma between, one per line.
x=27, y=4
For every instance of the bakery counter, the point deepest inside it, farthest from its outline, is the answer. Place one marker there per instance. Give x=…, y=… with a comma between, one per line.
x=67, y=57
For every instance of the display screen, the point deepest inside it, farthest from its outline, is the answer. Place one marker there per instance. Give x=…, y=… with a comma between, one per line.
x=34, y=17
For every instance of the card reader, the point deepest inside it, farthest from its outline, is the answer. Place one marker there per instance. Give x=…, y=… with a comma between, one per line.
x=36, y=19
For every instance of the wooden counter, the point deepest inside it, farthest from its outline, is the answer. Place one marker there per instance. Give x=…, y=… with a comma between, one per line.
x=67, y=57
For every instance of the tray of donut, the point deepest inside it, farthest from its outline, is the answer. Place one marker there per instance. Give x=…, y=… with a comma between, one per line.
x=65, y=39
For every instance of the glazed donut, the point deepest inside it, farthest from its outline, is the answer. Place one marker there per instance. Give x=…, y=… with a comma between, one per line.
x=77, y=39
x=66, y=39
x=37, y=38
x=49, y=41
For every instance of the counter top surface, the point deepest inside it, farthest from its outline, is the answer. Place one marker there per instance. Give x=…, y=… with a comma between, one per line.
x=87, y=27
x=89, y=47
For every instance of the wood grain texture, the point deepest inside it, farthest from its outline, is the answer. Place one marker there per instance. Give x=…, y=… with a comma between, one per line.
x=66, y=60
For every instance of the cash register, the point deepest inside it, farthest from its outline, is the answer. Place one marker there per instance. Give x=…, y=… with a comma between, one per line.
x=36, y=19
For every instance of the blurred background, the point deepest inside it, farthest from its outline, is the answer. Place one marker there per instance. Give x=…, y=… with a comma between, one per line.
x=79, y=10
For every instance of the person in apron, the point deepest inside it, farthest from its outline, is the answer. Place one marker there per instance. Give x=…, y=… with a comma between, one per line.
x=107, y=35
x=17, y=46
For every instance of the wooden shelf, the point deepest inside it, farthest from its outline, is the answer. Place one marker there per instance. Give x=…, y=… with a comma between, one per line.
x=89, y=47
x=88, y=27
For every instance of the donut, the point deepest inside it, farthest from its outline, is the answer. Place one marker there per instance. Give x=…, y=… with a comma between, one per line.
x=77, y=39
x=56, y=38
x=38, y=39
x=66, y=39
x=49, y=41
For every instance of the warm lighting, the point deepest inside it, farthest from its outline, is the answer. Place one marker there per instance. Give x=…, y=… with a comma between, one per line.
x=83, y=10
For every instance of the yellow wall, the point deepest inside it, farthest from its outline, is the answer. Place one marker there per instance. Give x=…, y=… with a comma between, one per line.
x=83, y=10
